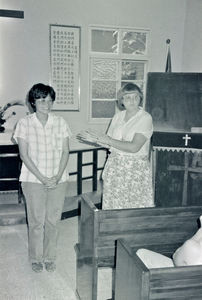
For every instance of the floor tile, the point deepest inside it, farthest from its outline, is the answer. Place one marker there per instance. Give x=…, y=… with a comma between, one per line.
x=19, y=282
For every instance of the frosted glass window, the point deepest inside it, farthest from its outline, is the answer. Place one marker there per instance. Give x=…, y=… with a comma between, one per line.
x=103, y=109
x=104, y=90
x=116, y=56
x=104, y=41
x=104, y=69
x=132, y=70
x=134, y=42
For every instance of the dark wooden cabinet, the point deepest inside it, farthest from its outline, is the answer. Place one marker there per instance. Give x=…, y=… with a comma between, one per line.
x=10, y=165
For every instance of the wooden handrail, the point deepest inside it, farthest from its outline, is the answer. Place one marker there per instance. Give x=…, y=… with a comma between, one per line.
x=12, y=151
x=80, y=166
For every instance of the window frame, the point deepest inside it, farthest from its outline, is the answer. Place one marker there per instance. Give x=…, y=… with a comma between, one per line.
x=119, y=57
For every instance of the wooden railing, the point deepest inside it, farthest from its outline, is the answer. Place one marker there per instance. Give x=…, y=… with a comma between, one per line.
x=10, y=168
x=81, y=164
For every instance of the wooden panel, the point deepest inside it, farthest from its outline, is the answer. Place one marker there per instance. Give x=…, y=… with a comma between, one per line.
x=12, y=13
x=84, y=276
x=149, y=228
x=159, y=229
x=10, y=185
x=183, y=282
x=10, y=165
x=178, y=178
x=174, y=100
x=120, y=214
x=9, y=149
x=130, y=270
x=100, y=229
x=162, y=283
x=139, y=223
x=86, y=229
x=175, y=139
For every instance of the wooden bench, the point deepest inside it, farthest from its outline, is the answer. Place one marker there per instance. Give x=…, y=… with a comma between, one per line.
x=134, y=281
x=100, y=229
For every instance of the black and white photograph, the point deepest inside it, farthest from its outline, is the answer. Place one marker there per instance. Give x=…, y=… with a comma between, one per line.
x=100, y=150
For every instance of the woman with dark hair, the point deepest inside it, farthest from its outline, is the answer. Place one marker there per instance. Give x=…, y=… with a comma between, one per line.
x=43, y=140
x=127, y=174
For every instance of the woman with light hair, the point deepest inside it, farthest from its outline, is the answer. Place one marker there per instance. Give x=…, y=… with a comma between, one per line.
x=127, y=174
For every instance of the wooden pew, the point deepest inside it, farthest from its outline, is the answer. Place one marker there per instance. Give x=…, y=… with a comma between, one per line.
x=100, y=229
x=134, y=281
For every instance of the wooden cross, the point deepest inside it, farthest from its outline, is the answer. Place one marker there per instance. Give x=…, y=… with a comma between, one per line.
x=12, y=13
x=186, y=170
x=186, y=138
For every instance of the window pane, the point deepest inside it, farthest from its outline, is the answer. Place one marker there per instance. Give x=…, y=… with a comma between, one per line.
x=103, y=89
x=104, y=41
x=118, y=56
x=134, y=42
x=104, y=69
x=103, y=109
x=132, y=70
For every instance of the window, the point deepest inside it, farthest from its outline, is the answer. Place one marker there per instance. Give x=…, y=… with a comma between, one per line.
x=117, y=56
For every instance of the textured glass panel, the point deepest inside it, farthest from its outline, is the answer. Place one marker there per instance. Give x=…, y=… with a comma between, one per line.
x=103, y=89
x=134, y=42
x=103, y=109
x=132, y=70
x=104, y=69
x=104, y=41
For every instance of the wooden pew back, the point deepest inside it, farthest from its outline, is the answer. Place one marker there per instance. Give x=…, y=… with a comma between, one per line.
x=161, y=283
x=158, y=229
x=151, y=227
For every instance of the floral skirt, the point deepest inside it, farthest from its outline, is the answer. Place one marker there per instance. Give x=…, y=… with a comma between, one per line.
x=127, y=182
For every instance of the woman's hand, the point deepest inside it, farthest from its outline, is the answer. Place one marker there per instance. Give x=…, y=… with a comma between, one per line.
x=50, y=183
x=88, y=135
x=94, y=137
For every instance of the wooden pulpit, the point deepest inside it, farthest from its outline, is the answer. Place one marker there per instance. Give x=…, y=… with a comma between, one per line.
x=177, y=163
x=174, y=101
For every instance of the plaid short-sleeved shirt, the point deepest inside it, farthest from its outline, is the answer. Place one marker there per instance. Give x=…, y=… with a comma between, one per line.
x=44, y=145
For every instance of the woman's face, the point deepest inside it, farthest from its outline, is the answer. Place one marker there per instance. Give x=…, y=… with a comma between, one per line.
x=131, y=101
x=44, y=105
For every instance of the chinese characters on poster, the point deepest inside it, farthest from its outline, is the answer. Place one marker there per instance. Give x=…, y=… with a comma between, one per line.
x=65, y=65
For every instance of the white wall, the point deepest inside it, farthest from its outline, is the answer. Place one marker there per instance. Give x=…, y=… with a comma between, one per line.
x=24, y=44
x=192, y=50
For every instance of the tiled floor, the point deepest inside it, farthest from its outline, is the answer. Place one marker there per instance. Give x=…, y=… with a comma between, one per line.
x=19, y=282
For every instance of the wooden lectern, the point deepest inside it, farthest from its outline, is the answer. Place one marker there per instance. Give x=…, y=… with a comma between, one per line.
x=175, y=103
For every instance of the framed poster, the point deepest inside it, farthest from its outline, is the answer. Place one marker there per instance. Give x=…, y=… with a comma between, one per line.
x=65, y=66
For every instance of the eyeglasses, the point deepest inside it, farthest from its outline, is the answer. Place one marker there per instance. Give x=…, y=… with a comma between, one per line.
x=44, y=101
x=130, y=97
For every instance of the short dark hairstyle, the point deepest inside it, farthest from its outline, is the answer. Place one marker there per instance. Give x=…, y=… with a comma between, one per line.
x=129, y=88
x=39, y=91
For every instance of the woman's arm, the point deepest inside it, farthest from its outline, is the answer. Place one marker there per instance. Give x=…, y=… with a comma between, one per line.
x=134, y=146
x=142, y=133
x=104, y=140
x=23, y=149
x=188, y=254
x=64, y=159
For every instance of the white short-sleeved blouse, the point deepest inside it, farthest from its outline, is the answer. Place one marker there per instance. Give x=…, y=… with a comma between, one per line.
x=44, y=145
x=124, y=131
